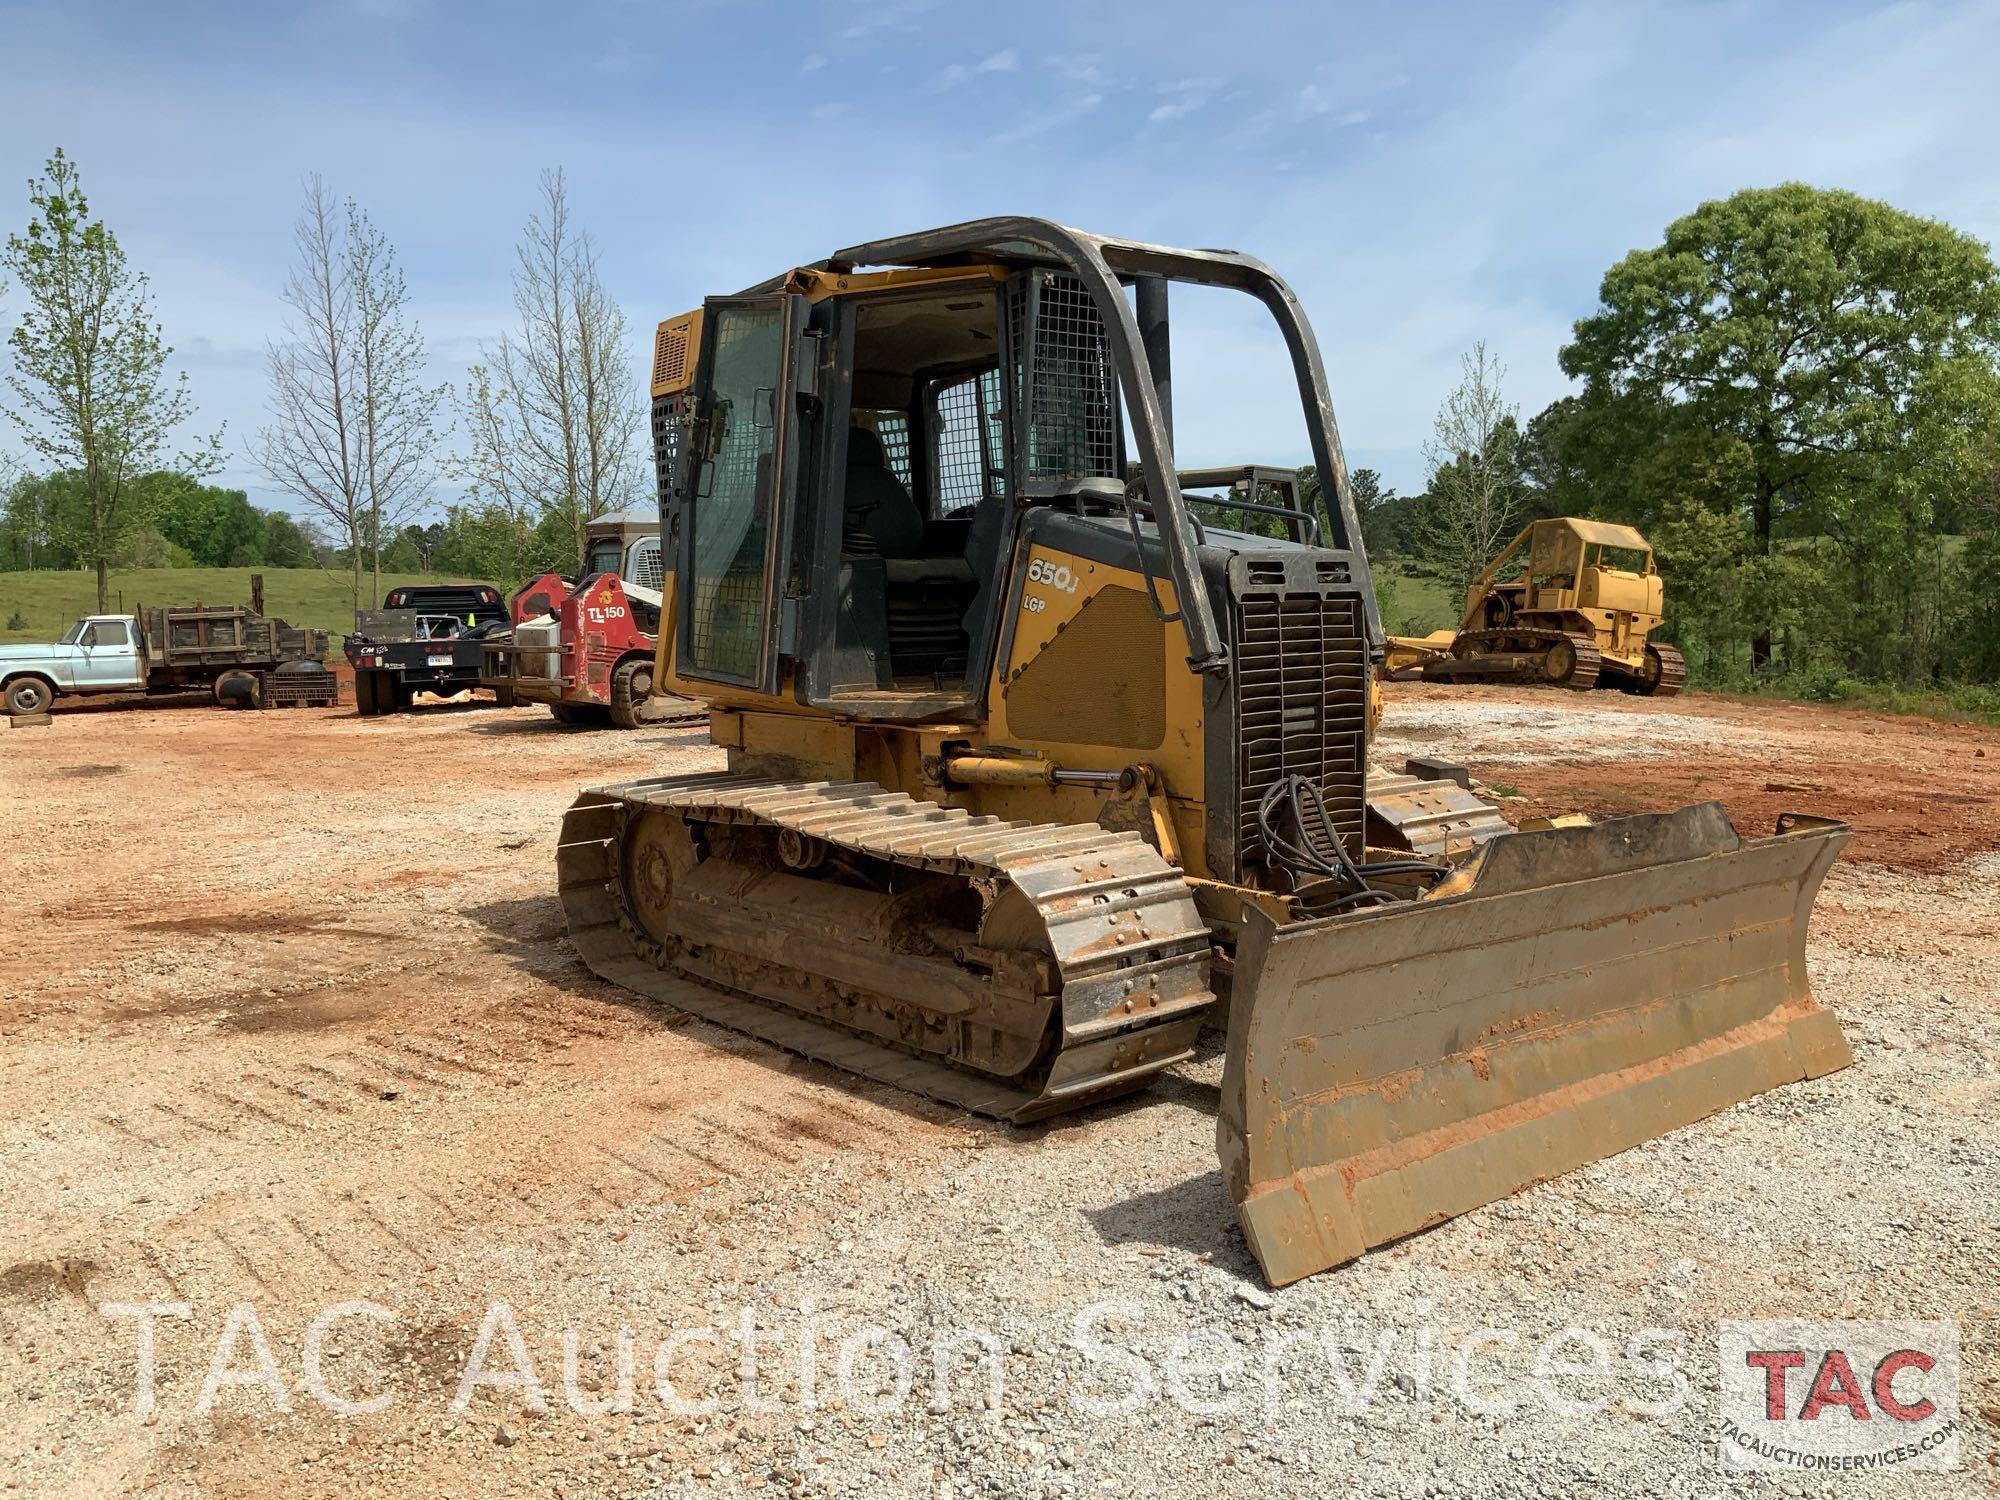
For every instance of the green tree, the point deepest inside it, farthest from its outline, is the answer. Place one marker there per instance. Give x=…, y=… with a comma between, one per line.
x=287, y=543
x=487, y=539
x=90, y=384
x=144, y=546
x=400, y=555
x=1978, y=581
x=423, y=542
x=28, y=524
x=1378, y=507
x=1837, y=352
x=1375, y=503
x=217, y=528
x=1476, y=493
x=45, y=515
x=18, y=531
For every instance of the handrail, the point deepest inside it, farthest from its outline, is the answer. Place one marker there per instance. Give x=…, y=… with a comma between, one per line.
x=1265, y=508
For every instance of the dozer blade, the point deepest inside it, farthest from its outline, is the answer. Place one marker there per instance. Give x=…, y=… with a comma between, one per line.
x=1583, y=990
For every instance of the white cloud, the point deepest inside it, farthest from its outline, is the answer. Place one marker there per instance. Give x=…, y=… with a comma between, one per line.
x=886, y=16
x=1425, y=177
x=1076, y=67
x=1043, y=122
x=1184, y=98
x=955, y=75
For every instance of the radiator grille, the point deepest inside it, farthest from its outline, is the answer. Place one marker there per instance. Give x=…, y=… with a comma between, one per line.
x=670, y=354
x=1301, y=706
x=674, y=346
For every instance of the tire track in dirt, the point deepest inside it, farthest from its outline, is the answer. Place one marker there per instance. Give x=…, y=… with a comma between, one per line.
x=365, y=1085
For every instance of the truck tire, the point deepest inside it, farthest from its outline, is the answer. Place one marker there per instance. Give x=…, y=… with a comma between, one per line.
x=29, y=695
x=238, y=689
x=503, y=697
x=631, y=686
x=382, y=693
x=367, y=694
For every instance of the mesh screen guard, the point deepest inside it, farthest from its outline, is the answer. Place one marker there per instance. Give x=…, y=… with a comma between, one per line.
x=1066, y=384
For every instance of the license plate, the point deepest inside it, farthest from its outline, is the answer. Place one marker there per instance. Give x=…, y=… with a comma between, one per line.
x=438, y=661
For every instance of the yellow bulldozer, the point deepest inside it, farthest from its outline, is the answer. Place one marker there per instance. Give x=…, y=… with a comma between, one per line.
x=1576, y=616
x=1030, y=777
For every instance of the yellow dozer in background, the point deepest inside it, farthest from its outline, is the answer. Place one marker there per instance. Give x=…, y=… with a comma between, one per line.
x=1577, y=616
x=1030, y=778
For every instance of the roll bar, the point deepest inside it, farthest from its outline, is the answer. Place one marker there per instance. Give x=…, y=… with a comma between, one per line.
x=1102, y=263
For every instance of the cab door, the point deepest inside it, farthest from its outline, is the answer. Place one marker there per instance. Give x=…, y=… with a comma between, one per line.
x=735, y=533
x=109, y=657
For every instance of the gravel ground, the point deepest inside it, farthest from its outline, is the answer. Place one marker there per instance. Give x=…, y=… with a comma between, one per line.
x=1556, y=730
x=320, y=1040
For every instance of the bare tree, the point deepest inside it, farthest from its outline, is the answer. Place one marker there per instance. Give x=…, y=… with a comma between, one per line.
x=1473, y=461
x=91, y=390
x=552, y=414
x=353, y=431
x=396, y=412
x=312, y=447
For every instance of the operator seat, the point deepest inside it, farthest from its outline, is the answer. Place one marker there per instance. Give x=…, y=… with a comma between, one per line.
x=882, y=519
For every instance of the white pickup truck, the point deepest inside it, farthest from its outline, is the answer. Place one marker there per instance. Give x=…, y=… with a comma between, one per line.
x=244, y=657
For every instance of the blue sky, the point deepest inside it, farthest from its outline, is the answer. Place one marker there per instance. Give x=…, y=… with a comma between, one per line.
x=1426, y=175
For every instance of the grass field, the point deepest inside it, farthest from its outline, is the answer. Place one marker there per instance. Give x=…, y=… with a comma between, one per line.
x=1413, y=605
x=50, y=601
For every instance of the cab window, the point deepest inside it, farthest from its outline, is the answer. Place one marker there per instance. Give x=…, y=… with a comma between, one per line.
x=967, y=444
x=108, y=633
x=1623, y=559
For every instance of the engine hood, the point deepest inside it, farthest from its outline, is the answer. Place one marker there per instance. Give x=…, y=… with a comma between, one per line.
x=32, y=651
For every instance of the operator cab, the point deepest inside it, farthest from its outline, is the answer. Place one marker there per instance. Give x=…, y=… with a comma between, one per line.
x=886, y=473
x=855, y=465
x=625, y=543
x=925, y=449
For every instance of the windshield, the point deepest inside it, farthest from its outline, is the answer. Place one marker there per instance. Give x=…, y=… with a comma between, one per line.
x=72, y=635
x=1625, y=559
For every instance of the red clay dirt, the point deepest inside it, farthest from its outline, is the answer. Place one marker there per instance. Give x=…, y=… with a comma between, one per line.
x=289, y=1017
x=1922, y=795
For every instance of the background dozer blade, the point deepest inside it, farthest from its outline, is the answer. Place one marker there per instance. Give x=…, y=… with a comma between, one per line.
x=1591, y=988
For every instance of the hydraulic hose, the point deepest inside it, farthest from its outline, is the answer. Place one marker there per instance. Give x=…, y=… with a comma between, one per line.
x=1294, y=825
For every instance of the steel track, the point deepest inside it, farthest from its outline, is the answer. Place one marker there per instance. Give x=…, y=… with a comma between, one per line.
x=1120, y=922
